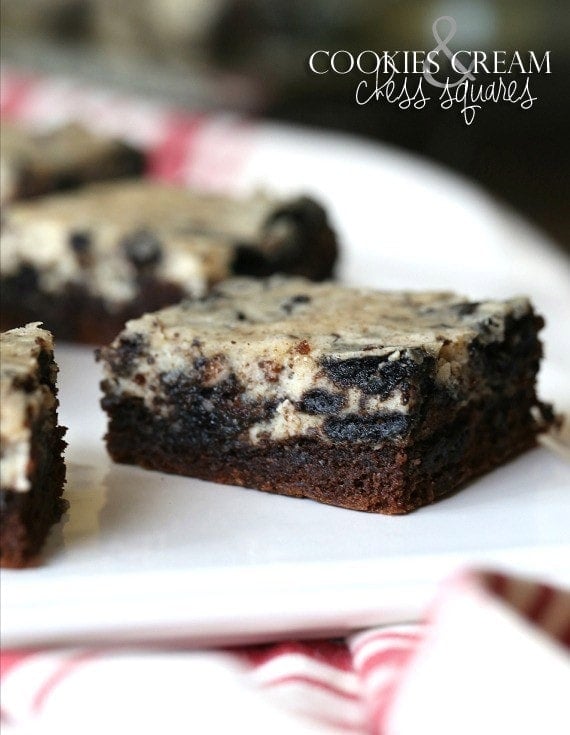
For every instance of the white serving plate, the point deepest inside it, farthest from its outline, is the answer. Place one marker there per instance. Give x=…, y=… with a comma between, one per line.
x=146, y=555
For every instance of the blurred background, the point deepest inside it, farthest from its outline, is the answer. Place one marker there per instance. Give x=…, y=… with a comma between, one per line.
x=250, y=56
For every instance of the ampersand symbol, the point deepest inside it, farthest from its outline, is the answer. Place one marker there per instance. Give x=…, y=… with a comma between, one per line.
x=442, y=46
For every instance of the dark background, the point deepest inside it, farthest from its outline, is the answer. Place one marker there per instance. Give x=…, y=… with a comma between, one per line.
x=251, y=56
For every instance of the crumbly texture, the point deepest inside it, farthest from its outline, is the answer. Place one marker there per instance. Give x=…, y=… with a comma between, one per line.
x=65, y=158
x=86, y=262
x=31, y=467
x=368, y=400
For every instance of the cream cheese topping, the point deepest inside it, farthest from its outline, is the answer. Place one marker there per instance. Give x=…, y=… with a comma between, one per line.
x=276, y=336
x=23, y=400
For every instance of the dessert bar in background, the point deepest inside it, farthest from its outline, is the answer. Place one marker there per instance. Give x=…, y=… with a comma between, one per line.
x=368, y=400
x=86, y=262
x=31, y=465
x=65, y=158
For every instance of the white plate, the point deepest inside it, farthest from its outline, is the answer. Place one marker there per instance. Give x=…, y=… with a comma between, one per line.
x=142, y=554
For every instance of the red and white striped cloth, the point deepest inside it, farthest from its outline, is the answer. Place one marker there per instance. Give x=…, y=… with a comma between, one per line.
x=491, y=656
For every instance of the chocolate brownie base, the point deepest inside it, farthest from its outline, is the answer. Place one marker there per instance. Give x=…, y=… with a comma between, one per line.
x=388, y=478
x=26, y=518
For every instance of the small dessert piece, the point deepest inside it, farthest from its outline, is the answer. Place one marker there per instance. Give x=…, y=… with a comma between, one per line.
x=31, y=465
x=33, y=164
x=88, y=261
x=373, y=401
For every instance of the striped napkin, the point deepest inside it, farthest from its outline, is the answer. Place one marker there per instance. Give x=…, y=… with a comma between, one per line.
x=491, y=656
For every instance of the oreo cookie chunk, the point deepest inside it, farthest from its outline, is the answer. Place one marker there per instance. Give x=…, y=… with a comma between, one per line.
x=368, y=400
x=86, y=262
x=31, y=464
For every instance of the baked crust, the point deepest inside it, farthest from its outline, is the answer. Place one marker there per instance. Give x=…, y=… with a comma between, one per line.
x=385, y=478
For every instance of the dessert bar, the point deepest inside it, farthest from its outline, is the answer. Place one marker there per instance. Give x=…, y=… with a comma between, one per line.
x=374, y=401
x=85, y=262
x=32, y=466
x=64, y=158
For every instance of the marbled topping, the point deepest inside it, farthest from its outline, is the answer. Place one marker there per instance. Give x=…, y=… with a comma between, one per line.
x=346, y=363
x=108, y=237
x=27, y=379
